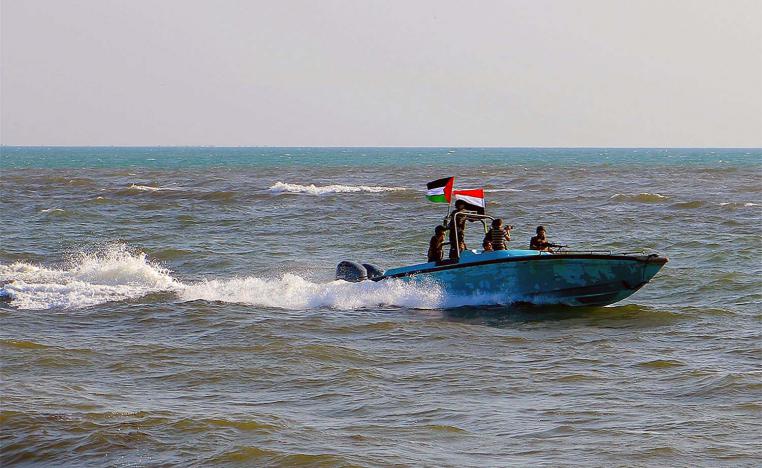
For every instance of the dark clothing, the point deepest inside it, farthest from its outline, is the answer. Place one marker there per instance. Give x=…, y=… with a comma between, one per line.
x=460, y=226
x=539, y=243
x=435, y=249
x=461, y=221
x=455, y=253
x=497, y=237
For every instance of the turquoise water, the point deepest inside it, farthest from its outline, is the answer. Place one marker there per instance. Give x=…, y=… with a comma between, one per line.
x=176, y=306
x=174, y=157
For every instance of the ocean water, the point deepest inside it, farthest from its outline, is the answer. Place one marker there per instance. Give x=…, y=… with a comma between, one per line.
x=176, y=306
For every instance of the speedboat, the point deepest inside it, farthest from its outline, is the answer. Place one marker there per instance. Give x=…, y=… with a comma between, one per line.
x=572, y=278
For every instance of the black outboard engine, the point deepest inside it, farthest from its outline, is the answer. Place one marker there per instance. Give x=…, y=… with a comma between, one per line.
x=351, y=271
x=373, y=270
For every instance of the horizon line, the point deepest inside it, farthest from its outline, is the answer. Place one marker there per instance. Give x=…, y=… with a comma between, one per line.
x=382, y=147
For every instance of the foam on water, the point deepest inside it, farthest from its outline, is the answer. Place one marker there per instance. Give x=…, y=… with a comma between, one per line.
x=738, y=204
x=145, y=188
x=116, y=274
x=282, y=187
x=296, y=293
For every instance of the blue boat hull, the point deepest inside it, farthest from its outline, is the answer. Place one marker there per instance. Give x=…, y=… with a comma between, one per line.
x=537, y=277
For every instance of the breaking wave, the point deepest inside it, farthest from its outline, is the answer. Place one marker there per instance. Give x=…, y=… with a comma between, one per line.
x=643, y=197
x=282, y=187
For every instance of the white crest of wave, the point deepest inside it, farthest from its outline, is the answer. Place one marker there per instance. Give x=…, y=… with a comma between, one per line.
x=143, y=188
x=643, y=197
x=89, y=279
x=312, y=189
x=149, y=188
x=295, y=293
x=746, y=204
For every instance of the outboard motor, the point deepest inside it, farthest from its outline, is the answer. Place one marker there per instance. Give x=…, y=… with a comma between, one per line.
x=351, y=271
x=373, y=270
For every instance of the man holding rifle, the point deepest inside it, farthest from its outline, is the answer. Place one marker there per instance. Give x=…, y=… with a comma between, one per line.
x=540, y=242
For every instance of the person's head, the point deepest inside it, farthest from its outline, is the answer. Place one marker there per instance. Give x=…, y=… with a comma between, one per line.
x=497, y=223
x=439, y=230
x=540, y=230
x=460, y=205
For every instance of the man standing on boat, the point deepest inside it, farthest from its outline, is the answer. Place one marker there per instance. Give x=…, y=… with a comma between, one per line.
x=458, y=225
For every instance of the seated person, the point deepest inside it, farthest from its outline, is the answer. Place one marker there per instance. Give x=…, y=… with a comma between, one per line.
x=436, y=243
x=540, y=242
x=498, y=236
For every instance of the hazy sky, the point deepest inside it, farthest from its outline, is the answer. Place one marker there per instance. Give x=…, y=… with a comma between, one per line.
x=381, y=73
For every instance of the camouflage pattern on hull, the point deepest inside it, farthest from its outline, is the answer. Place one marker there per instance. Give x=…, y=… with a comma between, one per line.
x=574, y=279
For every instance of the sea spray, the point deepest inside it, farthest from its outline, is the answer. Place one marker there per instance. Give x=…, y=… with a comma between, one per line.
x=112, y=274
x=294, y=293
x=117, y=274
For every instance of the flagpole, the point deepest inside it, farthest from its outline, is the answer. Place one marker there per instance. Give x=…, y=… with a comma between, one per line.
x=449, y=202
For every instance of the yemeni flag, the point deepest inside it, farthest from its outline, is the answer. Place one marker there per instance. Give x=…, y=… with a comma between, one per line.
x=440, y=190
x=474, y=199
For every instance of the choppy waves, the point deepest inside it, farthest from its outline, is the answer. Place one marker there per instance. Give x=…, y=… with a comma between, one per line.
x=643, y=197
x=656, y=198
x=282, y=187
x=177, y=193
x=147, y=188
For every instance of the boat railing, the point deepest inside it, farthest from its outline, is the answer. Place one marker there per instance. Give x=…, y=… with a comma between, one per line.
x=562, y=250
x=599, y=252
x=472, y=215
x=582, y=251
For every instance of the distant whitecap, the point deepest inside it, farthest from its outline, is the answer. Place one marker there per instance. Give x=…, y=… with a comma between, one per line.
x=312, y=189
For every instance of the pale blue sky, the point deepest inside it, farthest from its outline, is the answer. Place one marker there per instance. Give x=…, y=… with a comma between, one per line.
x=381, y=73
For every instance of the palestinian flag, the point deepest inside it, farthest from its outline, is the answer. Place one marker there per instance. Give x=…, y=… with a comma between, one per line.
x=440, y=190
x=474, y=199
